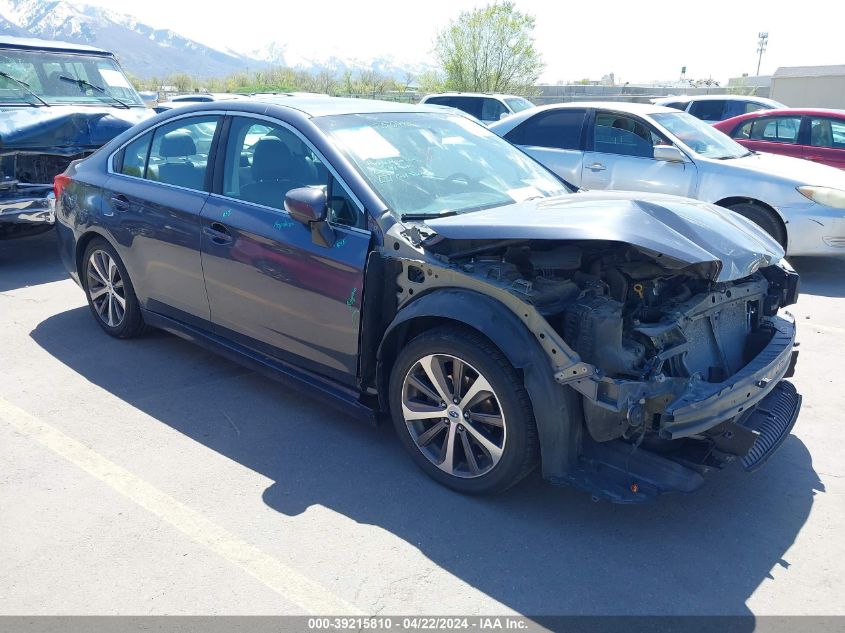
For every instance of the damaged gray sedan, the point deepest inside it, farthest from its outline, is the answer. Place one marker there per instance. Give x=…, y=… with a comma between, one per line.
x=407, y=261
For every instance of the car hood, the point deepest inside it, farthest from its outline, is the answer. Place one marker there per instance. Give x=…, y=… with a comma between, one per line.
x=796, y=170
x=677, y=232
x=65, y=129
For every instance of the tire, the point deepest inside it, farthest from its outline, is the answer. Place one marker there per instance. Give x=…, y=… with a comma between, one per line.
x=106, y=286
x=494, y=436
x=762, y=217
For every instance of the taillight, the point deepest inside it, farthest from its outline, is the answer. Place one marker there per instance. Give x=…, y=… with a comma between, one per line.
x=59, y=183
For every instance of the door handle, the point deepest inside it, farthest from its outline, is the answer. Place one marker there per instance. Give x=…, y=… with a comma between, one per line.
x=120, y=203
x=597, y=167
x=218, y=233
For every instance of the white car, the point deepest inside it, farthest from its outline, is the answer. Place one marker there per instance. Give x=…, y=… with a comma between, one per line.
x=639, y=147
x=487, y=108
x=715, y=108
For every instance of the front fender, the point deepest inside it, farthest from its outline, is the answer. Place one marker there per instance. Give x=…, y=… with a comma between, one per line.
x=557, y=409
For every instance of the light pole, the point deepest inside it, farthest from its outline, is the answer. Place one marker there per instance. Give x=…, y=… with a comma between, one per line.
x=763, y=39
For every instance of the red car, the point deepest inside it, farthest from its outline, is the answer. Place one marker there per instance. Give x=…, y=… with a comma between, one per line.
x=812, y=133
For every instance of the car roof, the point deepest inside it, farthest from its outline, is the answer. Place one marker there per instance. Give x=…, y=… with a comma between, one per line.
x=34, y=44
x=719, y=97
x=495, y=95
x=794, y=112
x=618, y=106
x=312, y=106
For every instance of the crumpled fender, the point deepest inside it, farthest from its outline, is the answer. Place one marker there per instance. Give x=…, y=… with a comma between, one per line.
x=557, y=409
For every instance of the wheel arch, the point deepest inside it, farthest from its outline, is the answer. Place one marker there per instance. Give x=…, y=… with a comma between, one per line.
x=82, y=243
x=727, y=202
x=557, y=410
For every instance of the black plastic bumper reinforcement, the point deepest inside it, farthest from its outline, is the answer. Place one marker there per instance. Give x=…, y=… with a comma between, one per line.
x=772, y=421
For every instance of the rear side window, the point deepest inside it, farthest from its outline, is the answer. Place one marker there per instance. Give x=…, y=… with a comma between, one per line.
x=470, y=105
x=135, y=156
x=678, y=105
x=558, y=129
x=179, y=152
x=442, y=101
x=771, y=129
x=708, y=109
x=827, y=133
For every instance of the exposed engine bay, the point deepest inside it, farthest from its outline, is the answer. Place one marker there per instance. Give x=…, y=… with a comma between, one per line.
x=659, y=352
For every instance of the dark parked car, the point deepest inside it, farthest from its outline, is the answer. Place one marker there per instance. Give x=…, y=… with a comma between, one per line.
x=815, y=134
x=407, y=262
x=58, y=102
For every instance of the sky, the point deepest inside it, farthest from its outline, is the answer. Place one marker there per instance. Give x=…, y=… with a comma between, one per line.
x=636, y=40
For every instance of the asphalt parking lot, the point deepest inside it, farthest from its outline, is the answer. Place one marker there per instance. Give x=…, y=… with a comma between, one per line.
x=151, y=477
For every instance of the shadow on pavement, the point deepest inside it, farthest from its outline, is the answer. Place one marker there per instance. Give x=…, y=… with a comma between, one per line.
x=537, y=549
x=30, y=261
x=822, y=276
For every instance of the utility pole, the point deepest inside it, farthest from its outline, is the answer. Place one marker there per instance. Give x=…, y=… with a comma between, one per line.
x=763, y=39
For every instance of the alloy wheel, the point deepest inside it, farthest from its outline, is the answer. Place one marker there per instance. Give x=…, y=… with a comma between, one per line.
x=105, y=288
x=453, y=415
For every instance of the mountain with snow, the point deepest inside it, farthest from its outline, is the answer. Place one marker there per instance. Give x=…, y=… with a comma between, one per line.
x=147, y=51
x=334, y=59
x=142, y=49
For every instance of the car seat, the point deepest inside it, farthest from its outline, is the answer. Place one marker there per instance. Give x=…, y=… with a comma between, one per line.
x=821, y=135
x=273, y=174
x=176, y=148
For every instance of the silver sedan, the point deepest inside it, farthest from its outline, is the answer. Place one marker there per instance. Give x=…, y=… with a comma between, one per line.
x=638, y=147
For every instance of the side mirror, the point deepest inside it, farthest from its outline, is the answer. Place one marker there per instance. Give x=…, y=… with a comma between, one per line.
x=504, y=115
x=308, y=206
x=669, y=153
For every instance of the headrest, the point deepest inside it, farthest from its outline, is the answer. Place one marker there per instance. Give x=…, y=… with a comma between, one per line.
x=271, y=159
x=177, y=143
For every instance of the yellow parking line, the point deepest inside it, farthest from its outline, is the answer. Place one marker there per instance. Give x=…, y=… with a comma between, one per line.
x=284, y=580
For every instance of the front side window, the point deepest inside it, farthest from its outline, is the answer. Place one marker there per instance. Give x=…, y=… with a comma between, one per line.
x=624, y=135
x=492, y=110
x=179, y=152
x=555, y=129
x=700, y=137
x=265, y=160
x=708, y=109
x=425, y=164
x=36, y=77
x=827, y=133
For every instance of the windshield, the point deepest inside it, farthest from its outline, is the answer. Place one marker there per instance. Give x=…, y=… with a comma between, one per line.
x=42, y=71
x=699, y=136
x=518, y=104
x=429, y=164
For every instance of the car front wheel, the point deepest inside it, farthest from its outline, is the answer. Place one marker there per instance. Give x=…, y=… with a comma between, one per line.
x=462, y=411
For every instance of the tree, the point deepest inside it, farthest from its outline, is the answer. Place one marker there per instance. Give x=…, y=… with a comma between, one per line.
x=490, y=50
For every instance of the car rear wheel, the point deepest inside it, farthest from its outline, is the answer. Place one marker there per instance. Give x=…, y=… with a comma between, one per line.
x=462, y=412
x=109, y=290
x=762, y=217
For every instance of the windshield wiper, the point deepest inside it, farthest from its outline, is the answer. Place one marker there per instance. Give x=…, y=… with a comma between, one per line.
x=426, y=216
x=82, y=82
x=25, y=86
